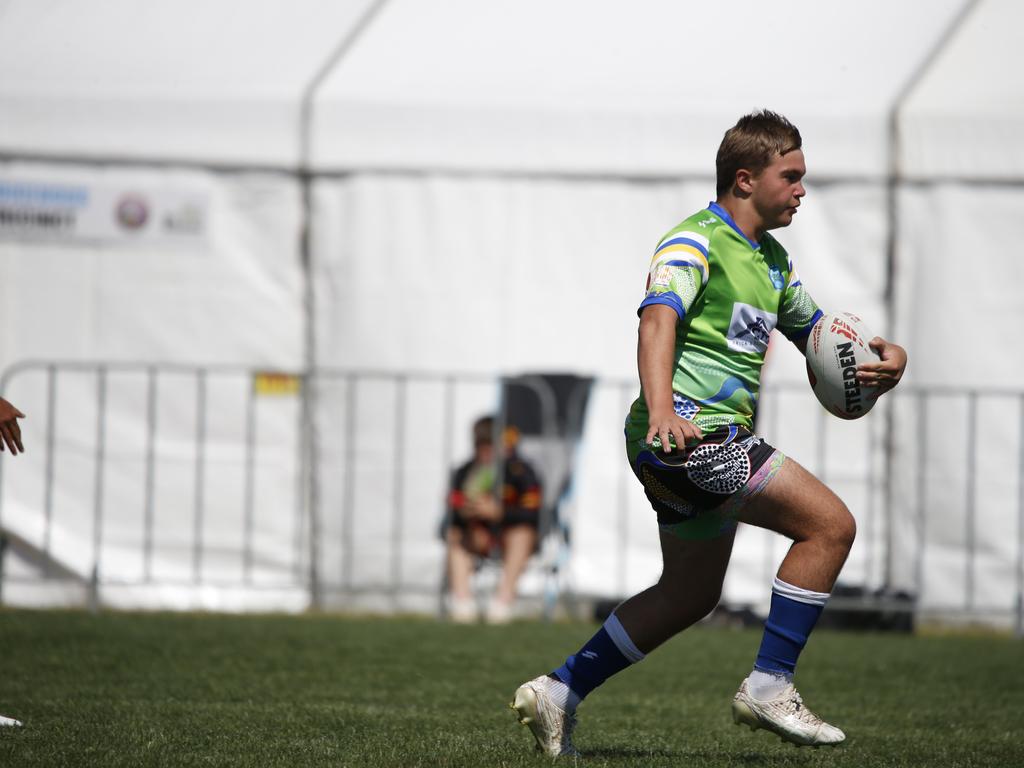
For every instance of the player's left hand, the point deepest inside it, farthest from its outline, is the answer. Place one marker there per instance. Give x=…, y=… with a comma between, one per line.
x=887, y=372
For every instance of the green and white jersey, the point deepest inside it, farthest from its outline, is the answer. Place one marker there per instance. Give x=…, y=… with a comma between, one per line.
x=729, y=293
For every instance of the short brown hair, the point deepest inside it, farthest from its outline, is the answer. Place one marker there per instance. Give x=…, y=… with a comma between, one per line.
x=752, y=144
x=483, y=431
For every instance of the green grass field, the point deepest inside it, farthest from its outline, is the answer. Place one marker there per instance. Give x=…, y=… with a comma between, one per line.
x=170, y=689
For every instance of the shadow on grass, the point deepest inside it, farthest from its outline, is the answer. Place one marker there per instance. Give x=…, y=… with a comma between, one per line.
x=699, y=756
x=631, y=752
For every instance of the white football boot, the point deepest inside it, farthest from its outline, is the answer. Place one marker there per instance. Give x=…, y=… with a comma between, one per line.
x=551, y=726
x=9, y=721
x=786, y=716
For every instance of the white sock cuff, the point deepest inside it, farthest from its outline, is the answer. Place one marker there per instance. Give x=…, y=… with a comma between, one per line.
x=622, y=641
x=799, y=594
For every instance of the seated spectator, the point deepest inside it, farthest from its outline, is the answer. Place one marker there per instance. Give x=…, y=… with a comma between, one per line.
x=482, y=526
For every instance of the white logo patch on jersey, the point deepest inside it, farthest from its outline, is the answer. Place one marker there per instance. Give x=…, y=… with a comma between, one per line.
x=663, y=277
x=750, y=328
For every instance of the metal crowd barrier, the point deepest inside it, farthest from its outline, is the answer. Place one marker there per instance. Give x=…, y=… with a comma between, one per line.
x=312, y=540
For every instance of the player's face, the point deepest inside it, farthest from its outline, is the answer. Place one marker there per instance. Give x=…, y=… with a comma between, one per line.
x=777, y=190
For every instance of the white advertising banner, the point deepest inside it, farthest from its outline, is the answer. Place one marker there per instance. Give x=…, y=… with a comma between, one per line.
x=68, y=211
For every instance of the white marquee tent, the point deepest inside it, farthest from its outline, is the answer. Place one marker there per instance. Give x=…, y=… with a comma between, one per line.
x=471, y=187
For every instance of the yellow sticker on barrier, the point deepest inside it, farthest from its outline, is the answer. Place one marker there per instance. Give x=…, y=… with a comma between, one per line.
x=276, y=384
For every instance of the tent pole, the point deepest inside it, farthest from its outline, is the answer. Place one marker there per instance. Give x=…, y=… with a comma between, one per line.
x=309, y=503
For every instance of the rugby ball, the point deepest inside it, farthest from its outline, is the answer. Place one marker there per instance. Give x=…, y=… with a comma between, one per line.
x=838, y=343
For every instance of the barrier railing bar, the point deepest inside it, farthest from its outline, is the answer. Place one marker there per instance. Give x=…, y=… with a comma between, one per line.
x=249, y=482
x=333, y=372
x=970, y=513
x=303, y=477
x=397, y=495
x=51, y=449
x=349, y=479
x=150, y=479
x=97, y=509
x=200, y=478
x=921, y=496
x=447, y=459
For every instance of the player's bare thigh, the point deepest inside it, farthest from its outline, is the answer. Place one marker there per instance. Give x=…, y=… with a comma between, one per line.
x=798, y=505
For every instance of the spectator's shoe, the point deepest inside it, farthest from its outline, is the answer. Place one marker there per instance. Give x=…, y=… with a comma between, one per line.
x=462, y=610
x=786, y=716
x=498, y=612
x=10, y=721
x=551, y=726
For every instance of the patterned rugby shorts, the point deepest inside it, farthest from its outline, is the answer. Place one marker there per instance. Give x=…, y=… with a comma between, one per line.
x=697, y=495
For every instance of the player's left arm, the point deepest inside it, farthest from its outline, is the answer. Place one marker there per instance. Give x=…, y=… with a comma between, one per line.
x=798, y=312
x=887, y=372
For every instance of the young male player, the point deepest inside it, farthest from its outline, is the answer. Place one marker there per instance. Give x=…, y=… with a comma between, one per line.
x=718, y=285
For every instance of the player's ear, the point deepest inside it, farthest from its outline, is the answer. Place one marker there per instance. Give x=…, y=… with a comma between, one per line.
x=744, y=181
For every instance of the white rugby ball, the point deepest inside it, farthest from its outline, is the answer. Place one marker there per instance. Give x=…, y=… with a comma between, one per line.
x=838, y=343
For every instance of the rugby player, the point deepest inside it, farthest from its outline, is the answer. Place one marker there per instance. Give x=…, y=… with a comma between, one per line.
x=719, y=283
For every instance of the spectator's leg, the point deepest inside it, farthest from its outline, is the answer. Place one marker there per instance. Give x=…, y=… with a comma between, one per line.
x=518, y=543
x=462, y=607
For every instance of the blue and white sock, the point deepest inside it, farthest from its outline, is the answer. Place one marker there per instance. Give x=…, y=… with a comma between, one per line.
x=609, y=651
x=793, y=614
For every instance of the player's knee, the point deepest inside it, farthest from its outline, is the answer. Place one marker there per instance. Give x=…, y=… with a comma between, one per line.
x=842, y=529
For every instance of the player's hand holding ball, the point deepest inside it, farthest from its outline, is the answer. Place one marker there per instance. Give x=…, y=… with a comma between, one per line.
x=887, y=372
x=849, y=367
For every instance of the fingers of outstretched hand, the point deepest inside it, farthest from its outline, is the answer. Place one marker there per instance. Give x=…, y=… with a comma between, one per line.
x=10, y=434
x=673, y=430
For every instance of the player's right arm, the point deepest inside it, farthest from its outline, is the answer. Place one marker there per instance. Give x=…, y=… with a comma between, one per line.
x=678, y=274
x=656, y=361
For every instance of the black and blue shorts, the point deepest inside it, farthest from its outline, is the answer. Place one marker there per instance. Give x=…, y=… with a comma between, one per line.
x=698, y=493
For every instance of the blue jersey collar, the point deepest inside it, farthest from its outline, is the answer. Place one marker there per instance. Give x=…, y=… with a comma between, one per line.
x=723, y=214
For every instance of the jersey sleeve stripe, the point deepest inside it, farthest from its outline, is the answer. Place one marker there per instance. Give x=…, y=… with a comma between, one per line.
x=695, y=257
x=693, y=261
x=668, y=299
x=685, y=238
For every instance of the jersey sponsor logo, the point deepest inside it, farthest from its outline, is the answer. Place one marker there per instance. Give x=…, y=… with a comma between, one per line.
x=775, y=275
x=750, y=328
